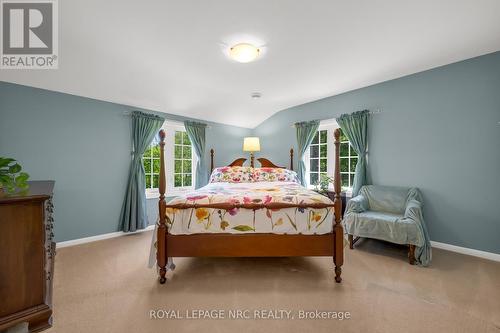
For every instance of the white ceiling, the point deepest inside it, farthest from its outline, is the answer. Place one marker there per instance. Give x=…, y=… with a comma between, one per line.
x=167, y=55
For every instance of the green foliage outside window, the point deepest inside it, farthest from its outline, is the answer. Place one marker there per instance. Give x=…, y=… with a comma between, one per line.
x=348, y=161
x=318, y=161
x=183, y=154
x=318, y=157
x=151, y=162
x=182, y=162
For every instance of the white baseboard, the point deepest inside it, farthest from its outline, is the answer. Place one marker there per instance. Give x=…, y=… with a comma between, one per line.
x=100, y=237
x=437, y=245
x=467, y=251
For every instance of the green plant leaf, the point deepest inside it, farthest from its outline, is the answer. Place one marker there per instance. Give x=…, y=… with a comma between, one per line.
x=8, y=183
x=10, y=188
x=4, y=179
x=5, y=161
x=242, y=227
x=11, y=176
x=15, y=168
x=22, y=178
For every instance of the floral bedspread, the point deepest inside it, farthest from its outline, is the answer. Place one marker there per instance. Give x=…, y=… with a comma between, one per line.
x=241, y=220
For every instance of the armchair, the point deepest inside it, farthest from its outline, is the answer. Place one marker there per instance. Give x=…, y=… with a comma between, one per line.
x=393, y=214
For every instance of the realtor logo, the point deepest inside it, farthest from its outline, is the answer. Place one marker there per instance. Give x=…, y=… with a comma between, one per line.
x=29, y=34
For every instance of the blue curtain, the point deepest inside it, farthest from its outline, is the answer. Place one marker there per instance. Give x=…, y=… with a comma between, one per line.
x=305, y=134
x=355, y=127
x=196, y=133
x=133, y=215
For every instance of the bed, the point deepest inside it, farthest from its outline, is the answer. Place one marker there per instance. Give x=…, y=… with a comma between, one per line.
x=270, y=215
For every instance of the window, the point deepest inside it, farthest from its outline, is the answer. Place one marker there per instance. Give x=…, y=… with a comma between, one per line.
x=180, y=160
x=151, y=161
x=348, y=161
x=320, y=157
x=183, y=164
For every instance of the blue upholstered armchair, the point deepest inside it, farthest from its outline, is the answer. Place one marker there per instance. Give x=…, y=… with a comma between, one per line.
x=393, y=214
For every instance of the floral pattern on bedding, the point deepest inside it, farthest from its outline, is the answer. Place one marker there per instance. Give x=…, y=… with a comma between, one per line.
x=275, y=175
x=240, y=220
x=234, y=174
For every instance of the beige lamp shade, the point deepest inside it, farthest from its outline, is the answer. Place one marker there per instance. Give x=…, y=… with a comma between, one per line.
x=251, y=144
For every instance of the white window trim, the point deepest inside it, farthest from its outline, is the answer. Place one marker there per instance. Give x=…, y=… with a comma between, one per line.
x=330, y=125
x=170, y=127
x=349, y=189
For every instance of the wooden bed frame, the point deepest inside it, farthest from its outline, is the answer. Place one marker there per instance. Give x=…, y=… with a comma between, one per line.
x=264, y=162
x=249, y=245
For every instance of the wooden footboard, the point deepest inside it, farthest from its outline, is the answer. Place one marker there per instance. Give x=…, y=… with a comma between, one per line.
x=249, y=245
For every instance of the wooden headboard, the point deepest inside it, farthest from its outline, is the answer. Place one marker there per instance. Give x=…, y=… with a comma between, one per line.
x=264, y=162
x=238, y=162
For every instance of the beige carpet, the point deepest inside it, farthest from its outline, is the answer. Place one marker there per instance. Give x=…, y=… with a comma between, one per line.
x=106, y=287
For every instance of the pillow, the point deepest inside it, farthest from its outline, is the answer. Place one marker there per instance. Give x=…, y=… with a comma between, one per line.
x=274, y=175
x=234, y=174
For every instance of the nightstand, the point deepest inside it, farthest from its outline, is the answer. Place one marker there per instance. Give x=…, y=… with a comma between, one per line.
x=344, y=196
x=27, y=257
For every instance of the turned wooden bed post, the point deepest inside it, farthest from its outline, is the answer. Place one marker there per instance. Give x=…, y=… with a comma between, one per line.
x=291, y=159
x=211, y=160
x=338, y=257
x=161, y=242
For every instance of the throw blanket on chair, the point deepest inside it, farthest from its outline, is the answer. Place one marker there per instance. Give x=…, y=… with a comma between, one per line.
x=393, y=214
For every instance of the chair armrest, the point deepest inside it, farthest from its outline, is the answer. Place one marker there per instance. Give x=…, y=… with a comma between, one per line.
x=413, y=214
x=357, y=204
x=413, y=210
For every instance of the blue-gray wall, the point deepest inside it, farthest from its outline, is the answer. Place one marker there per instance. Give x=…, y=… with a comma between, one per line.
x=84, y=145
x=438, y=130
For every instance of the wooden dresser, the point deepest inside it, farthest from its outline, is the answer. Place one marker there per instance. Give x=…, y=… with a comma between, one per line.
x=27, y=257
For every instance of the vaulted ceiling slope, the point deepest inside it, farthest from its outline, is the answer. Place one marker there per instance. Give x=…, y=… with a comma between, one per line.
x=168, y=55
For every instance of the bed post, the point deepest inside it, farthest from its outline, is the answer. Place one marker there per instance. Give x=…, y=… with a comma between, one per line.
x=291, y=159
x=161, y=241
x=338, y=255
x=211, y=160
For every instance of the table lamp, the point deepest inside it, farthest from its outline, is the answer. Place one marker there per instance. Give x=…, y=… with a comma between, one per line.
x=251, y=144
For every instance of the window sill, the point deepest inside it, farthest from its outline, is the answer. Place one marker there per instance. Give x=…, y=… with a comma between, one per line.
x=156, y=194
x=152, y=195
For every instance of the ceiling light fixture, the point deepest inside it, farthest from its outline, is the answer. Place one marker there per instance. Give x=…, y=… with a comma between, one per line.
x=256, y=95
x=244, y=52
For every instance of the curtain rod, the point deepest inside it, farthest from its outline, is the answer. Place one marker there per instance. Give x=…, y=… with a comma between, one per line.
x=377, y=111
x=129, y=113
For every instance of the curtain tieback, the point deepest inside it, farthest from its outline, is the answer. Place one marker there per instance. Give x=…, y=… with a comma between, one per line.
x=136, y=158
